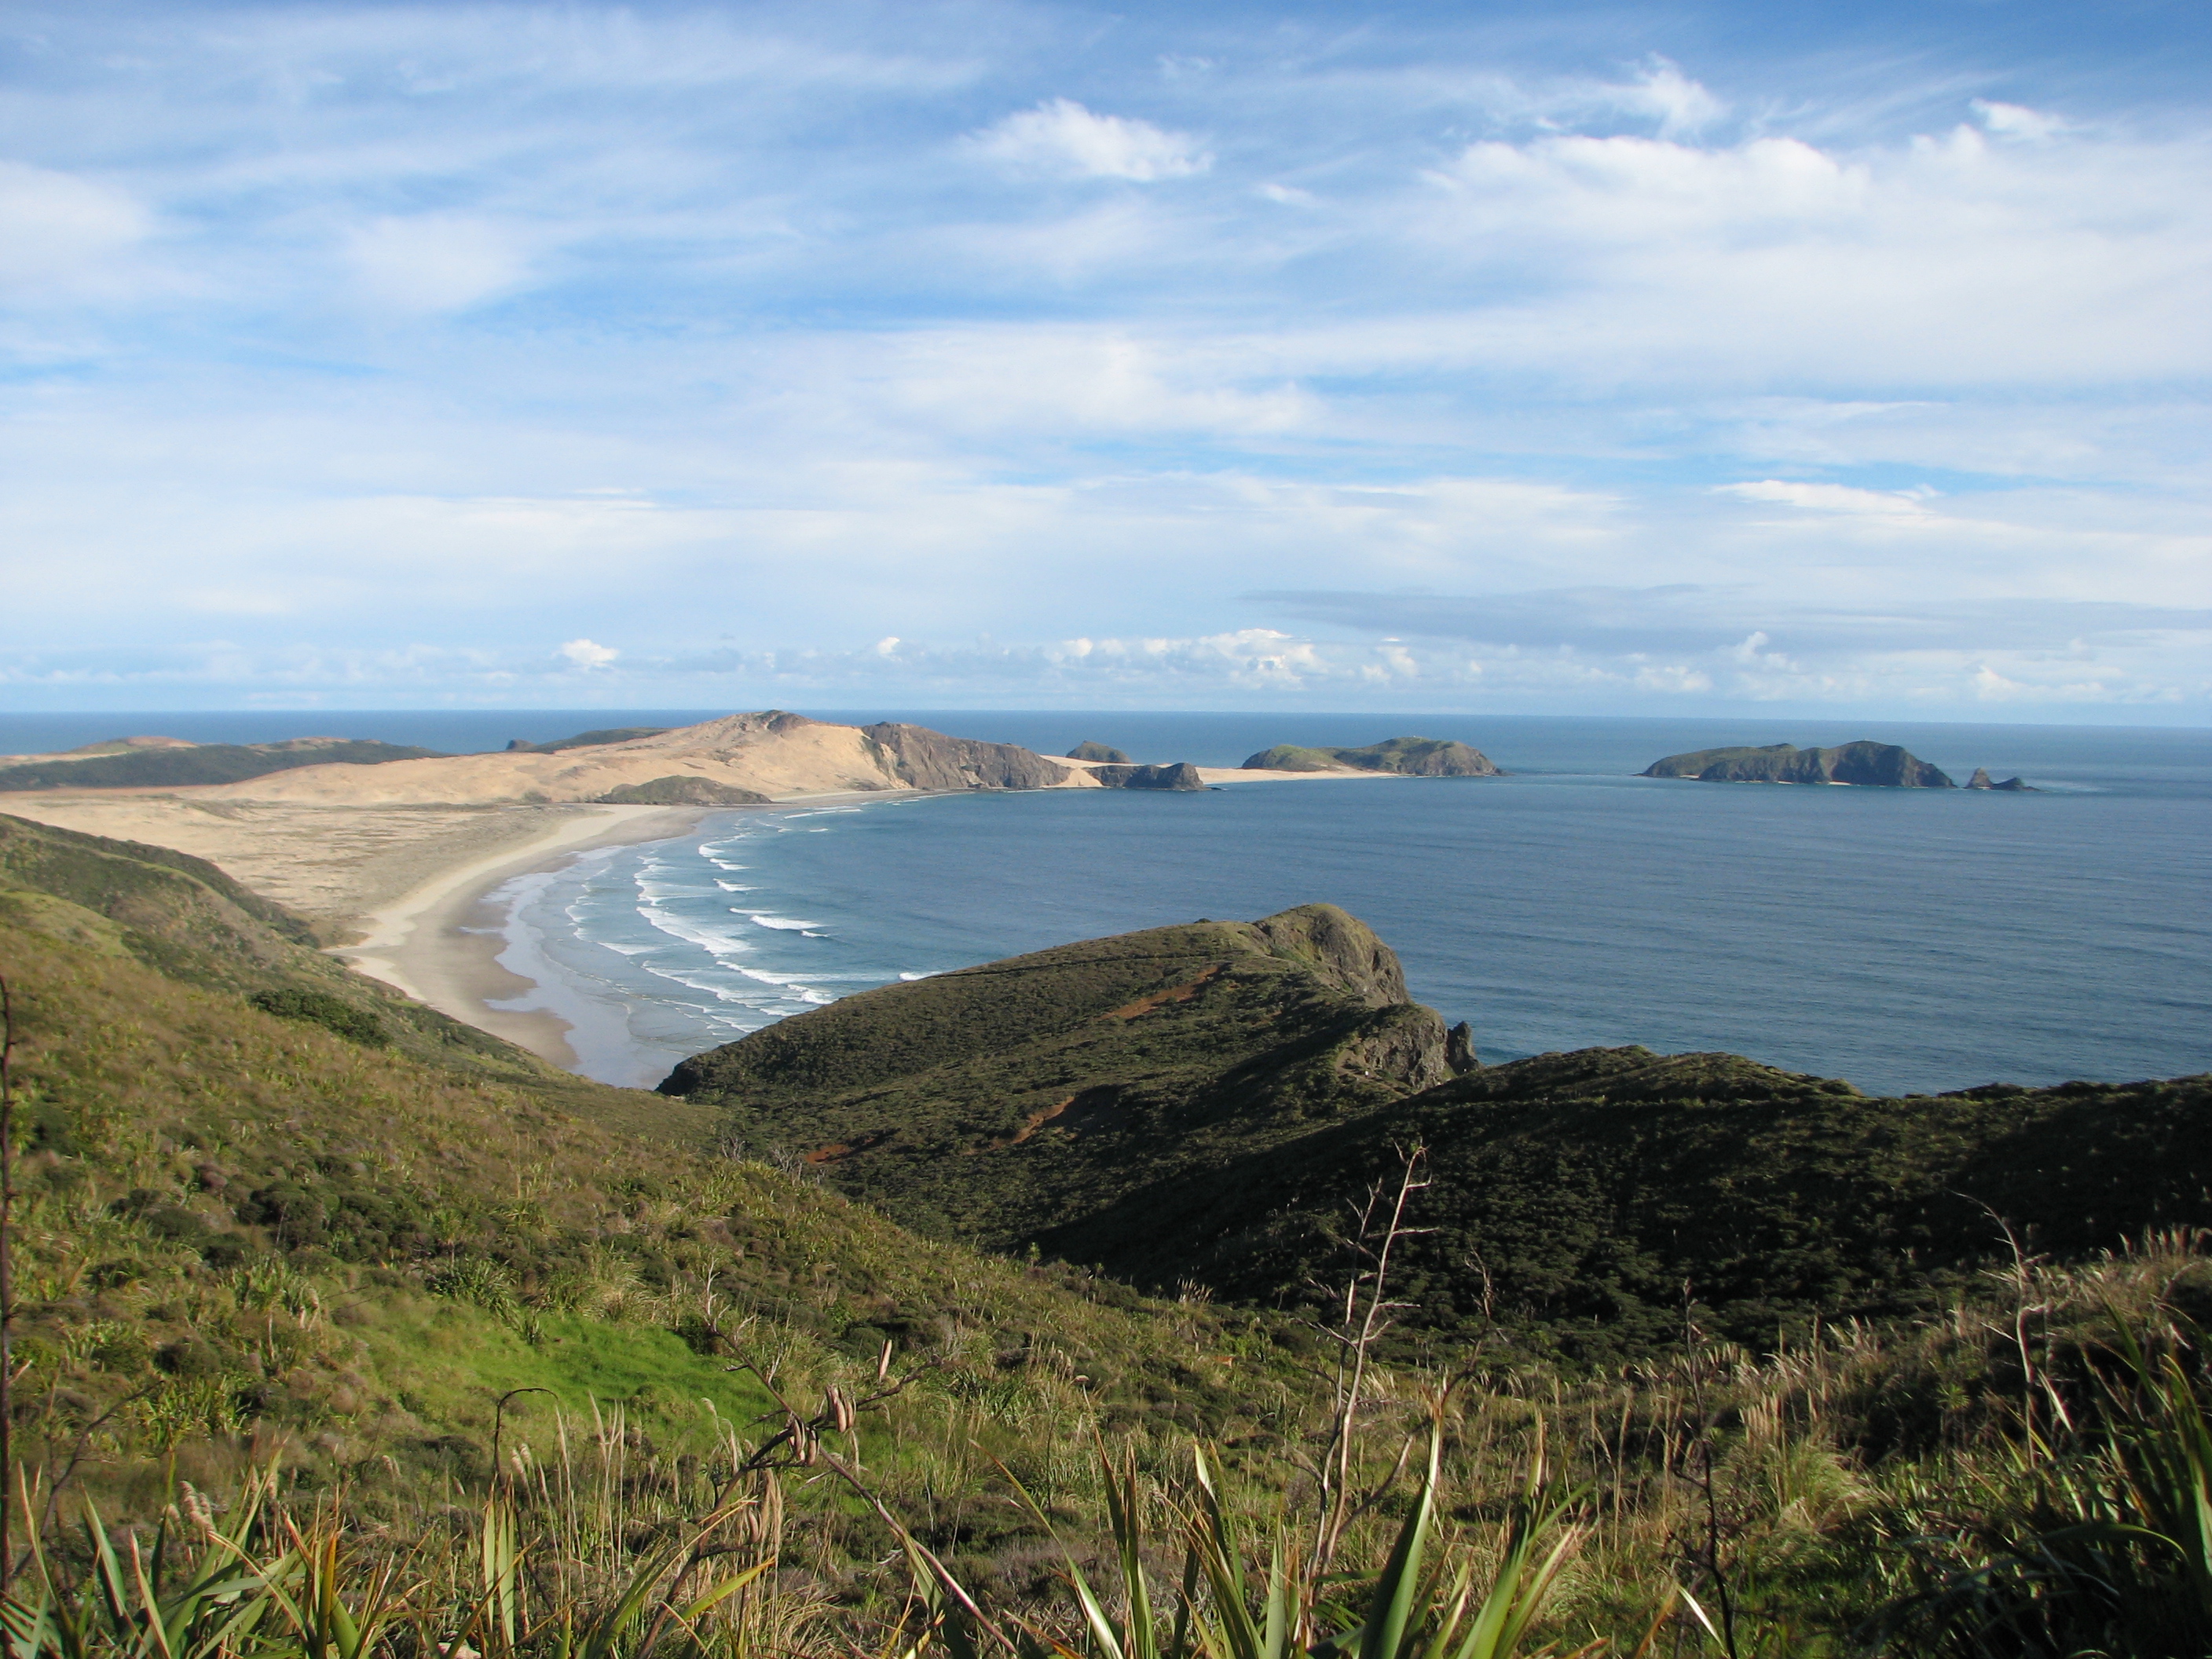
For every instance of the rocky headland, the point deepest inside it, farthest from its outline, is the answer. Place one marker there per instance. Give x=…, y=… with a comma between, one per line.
x=1210, y=1104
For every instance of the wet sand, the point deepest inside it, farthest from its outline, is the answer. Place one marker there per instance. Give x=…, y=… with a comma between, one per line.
x=440, y=943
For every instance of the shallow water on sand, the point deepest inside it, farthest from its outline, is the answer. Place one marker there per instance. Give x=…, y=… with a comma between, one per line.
x=1905, y=939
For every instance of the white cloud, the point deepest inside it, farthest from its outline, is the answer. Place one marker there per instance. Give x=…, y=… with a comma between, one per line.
x=1829, y=498
x=436, y=262
x=2016, y=121
x=588, y=655
x=1680, y=104
x=1061, y=136
x=834, y=380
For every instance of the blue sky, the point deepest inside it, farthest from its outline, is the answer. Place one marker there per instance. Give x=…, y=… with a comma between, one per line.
x=1663, y=359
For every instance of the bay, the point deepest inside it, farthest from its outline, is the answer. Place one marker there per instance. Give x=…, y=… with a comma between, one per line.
x=1909, y=941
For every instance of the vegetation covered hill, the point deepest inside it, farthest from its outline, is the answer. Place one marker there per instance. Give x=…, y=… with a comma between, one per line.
x=1212, y=1104
x=201, y=763
x=995, y=1103
x=1880, y=765
x=412, y=1346
x=1426, y=757
x=681, y=789
x=269, y=1209
x=592, y=739
x=1598, y=1204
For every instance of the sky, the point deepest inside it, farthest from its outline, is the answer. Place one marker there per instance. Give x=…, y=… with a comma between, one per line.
x=1548, y=358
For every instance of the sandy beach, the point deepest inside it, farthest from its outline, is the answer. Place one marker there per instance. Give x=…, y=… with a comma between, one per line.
x=393, y=863
x=440, y=943
x=395, y=889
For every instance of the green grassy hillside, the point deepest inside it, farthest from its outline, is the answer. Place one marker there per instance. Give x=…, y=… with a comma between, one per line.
x=208, y=762
x=246, y=1233
x=1600, y=1203
x=994, y=1103
x=1201, y=1105
x=280, y=1233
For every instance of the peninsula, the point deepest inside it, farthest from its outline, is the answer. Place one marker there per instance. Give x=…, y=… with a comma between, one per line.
x=1203, y=1104
x=1881, y=765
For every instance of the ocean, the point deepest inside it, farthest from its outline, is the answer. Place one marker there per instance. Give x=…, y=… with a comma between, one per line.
x=1908, y=941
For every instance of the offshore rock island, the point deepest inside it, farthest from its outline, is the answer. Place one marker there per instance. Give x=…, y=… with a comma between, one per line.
x=1880, y=765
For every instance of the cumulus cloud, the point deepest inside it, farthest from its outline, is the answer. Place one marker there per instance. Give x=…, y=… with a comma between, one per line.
x=587, y=654
x=2016, y=121
x=1061, y=136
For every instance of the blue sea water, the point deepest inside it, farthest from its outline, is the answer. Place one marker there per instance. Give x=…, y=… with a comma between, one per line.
x=1909, y=940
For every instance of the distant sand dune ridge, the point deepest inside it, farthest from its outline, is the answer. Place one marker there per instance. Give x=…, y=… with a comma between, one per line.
x=780, y=755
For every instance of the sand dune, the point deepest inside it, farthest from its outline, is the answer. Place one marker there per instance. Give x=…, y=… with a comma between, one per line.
x=391, y=862
x=782, y=756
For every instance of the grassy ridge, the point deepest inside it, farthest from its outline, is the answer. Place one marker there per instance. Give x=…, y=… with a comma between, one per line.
x=1596, y=1204
x=1428, y=758
x=1881, y=765
x=204, y=763
x=1201, y=1106
x=239, y=1228
x=990, y=1103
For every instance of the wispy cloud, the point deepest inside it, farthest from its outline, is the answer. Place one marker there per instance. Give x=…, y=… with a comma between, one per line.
x=398, y=343
x=1061, y=136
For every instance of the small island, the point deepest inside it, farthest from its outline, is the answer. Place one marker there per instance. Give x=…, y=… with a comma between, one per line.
x=1412, y=757
x=1105, y=752
x=1879, y=765
x=2016, y=786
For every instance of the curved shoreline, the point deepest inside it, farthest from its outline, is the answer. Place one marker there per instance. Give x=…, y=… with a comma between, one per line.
x=441, y=944
x=442, y=941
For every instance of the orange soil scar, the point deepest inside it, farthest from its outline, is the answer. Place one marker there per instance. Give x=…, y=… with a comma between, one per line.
x=1145, y=1004
x=841, y=1149
x=1031, y=1125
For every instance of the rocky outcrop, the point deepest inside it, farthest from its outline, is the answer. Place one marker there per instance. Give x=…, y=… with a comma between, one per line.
x=1180, y=776
x=1098, y=751
x=2016, y=786
x=929, y=760
x=682, y=791
x=1343, y=951
x=1412, y=757
x=1880, y=765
